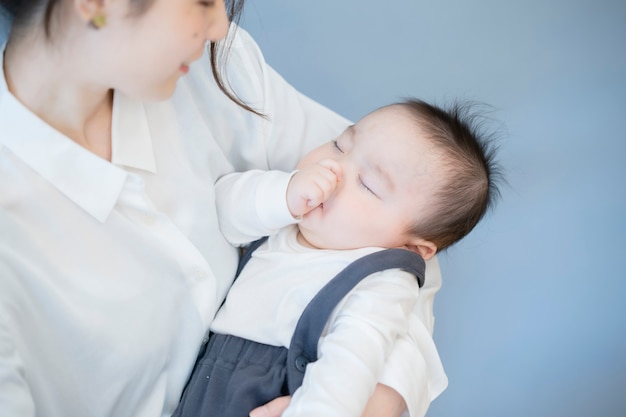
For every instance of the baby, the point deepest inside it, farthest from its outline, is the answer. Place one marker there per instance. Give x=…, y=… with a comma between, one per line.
x=409, y=176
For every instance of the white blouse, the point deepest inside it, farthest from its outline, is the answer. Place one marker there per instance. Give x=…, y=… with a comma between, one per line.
x=110, y=273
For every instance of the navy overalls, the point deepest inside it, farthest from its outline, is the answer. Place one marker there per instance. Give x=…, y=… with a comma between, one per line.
x=232, y=375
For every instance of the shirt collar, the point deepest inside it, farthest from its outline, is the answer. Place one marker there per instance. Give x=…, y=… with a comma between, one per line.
x=130, y=135
x=89, y=181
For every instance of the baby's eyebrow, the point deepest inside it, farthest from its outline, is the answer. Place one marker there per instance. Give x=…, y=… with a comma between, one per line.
x=351, y=130
x=349, y=134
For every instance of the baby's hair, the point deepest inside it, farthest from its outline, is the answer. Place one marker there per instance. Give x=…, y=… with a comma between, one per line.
x=470, y=185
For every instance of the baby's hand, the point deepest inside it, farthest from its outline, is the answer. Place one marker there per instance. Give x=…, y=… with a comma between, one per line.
x=311, y=186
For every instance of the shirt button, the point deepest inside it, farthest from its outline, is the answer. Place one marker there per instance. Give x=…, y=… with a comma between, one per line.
x=198, y=273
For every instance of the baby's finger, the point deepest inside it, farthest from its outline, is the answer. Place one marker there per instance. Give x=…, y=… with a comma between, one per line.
x=317, y=195
x=333, y=166
x=326, y=184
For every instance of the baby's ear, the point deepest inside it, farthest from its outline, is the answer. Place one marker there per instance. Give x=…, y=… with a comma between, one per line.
x=425, y=248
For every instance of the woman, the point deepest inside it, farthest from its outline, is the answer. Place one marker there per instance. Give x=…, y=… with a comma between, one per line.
x=111, y=259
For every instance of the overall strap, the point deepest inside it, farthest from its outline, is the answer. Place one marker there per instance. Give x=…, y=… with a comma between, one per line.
x=247, y=253
x=303, y=346
x=244, y=257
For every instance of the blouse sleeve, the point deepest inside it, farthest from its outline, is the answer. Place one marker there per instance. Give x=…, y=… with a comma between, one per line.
x=291, y=124
x=15, y=396
x=414, y=368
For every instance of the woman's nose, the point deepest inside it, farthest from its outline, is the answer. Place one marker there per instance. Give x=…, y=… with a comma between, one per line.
x=218, y=26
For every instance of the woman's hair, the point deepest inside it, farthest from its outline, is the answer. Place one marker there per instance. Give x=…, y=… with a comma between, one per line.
x=24, y=11
x=219, y=56
x=471, y=175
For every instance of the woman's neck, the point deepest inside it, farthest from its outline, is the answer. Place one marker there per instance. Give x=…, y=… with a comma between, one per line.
x=47, y=79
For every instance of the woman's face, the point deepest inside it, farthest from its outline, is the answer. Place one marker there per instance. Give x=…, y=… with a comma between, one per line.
x=148, y=53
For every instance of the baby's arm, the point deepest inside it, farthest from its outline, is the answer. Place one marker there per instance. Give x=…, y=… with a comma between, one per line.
x=360, y=336
x=257, y=203
x=252, y=204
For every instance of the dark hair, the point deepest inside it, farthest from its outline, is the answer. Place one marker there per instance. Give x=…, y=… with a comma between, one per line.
x=219, y=56
x=23, y=11
x=470, y=185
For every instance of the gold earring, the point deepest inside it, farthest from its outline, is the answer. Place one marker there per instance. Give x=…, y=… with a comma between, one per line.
x=98, y=21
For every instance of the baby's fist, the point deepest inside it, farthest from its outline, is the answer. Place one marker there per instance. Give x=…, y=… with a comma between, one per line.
x=312, y=185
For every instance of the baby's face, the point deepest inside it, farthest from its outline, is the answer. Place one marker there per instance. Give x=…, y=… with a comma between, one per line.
x=390, y=173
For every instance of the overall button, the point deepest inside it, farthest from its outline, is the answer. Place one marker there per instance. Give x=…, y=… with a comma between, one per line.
x=301, y=363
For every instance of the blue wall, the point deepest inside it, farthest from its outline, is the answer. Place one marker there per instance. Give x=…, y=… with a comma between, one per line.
x=531, y=319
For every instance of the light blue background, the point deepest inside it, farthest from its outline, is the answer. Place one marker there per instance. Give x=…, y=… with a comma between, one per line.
x=531, y=319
